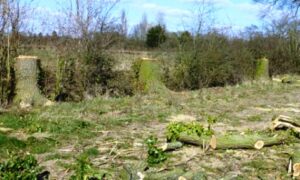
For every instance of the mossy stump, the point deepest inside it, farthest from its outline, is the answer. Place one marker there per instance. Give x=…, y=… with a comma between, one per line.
x=150, y=77
x=27, y=92
x=262, y=69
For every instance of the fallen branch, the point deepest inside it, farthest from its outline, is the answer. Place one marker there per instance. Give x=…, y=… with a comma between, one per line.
x=285, y=122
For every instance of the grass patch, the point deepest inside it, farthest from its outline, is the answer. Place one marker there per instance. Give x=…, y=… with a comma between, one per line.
x=254, y=118
x=58, y=156
x=10, y=144
x=37, y=146
x=91, y=152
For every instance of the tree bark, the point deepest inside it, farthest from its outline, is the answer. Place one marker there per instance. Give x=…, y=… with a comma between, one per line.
x=172, y=146
x=27, y=91
x=262, y=69
x=235, y=141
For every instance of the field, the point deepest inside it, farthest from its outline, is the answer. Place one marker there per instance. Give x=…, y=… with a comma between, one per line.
x=111, y=131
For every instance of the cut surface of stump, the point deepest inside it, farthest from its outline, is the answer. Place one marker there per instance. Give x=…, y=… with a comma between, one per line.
x=259, y=144
x=27, y=92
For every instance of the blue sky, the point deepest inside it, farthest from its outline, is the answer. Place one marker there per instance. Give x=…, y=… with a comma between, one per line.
x=229, y=13
x=233, y=14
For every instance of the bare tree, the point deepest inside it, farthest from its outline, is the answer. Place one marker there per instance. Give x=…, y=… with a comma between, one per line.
x=203, y=16
x=140, y=30
x=291, y=5
x=13, y=15
x=124, y=24
x=160, y=18
x=86, y=17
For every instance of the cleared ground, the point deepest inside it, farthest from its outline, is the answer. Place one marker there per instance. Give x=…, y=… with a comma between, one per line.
x=112, y=131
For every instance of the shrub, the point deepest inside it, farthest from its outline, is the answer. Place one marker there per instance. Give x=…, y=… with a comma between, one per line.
x=174, y=130
x=84, y=169
x=155, y=154
x=68, y=86
x=122, y=84
x=213, y=61
x=20, y=167
x=98, y=72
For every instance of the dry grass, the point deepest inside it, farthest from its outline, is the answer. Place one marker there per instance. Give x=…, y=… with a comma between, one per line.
x=112, y=130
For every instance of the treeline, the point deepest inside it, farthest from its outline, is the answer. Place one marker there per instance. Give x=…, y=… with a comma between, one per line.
x=85, y=66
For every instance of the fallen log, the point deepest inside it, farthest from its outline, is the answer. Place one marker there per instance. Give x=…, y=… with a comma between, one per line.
x=171, y=146
x=285, y=122
x=193, y=139
x=236, y=141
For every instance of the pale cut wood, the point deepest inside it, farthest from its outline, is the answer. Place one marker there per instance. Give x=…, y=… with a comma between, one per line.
x=172, y=146
x=285, y=122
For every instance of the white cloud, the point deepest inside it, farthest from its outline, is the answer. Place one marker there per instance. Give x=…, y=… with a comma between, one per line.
x=168, y=11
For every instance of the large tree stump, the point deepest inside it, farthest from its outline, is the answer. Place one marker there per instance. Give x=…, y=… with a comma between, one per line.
x=27, y=92
x=150, y=77
x=262, y=69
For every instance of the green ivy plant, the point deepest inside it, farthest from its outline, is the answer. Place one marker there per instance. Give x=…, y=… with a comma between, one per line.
x=174, y=130
x=19, y=168
x=155, y=154
x=84, y=169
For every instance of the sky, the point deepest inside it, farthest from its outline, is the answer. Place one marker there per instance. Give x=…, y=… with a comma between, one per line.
x=178, y=14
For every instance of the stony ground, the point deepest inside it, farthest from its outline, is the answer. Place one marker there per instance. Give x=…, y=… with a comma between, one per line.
x=112, y=131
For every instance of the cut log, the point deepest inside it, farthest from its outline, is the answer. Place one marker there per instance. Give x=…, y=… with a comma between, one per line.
x=193, y=139
x=171, y=146
x=285, y=122
x=236, y=141
x=27, y=91
x=259, y=144
x=249, y=141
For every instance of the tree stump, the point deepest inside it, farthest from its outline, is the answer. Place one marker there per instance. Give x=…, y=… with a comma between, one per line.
x=27, y=92
x=262, y=69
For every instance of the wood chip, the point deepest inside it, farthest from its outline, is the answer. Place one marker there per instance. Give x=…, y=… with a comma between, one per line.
x=213, y=142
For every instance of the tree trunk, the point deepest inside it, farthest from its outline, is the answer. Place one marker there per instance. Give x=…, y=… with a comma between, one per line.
x=27, y=91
